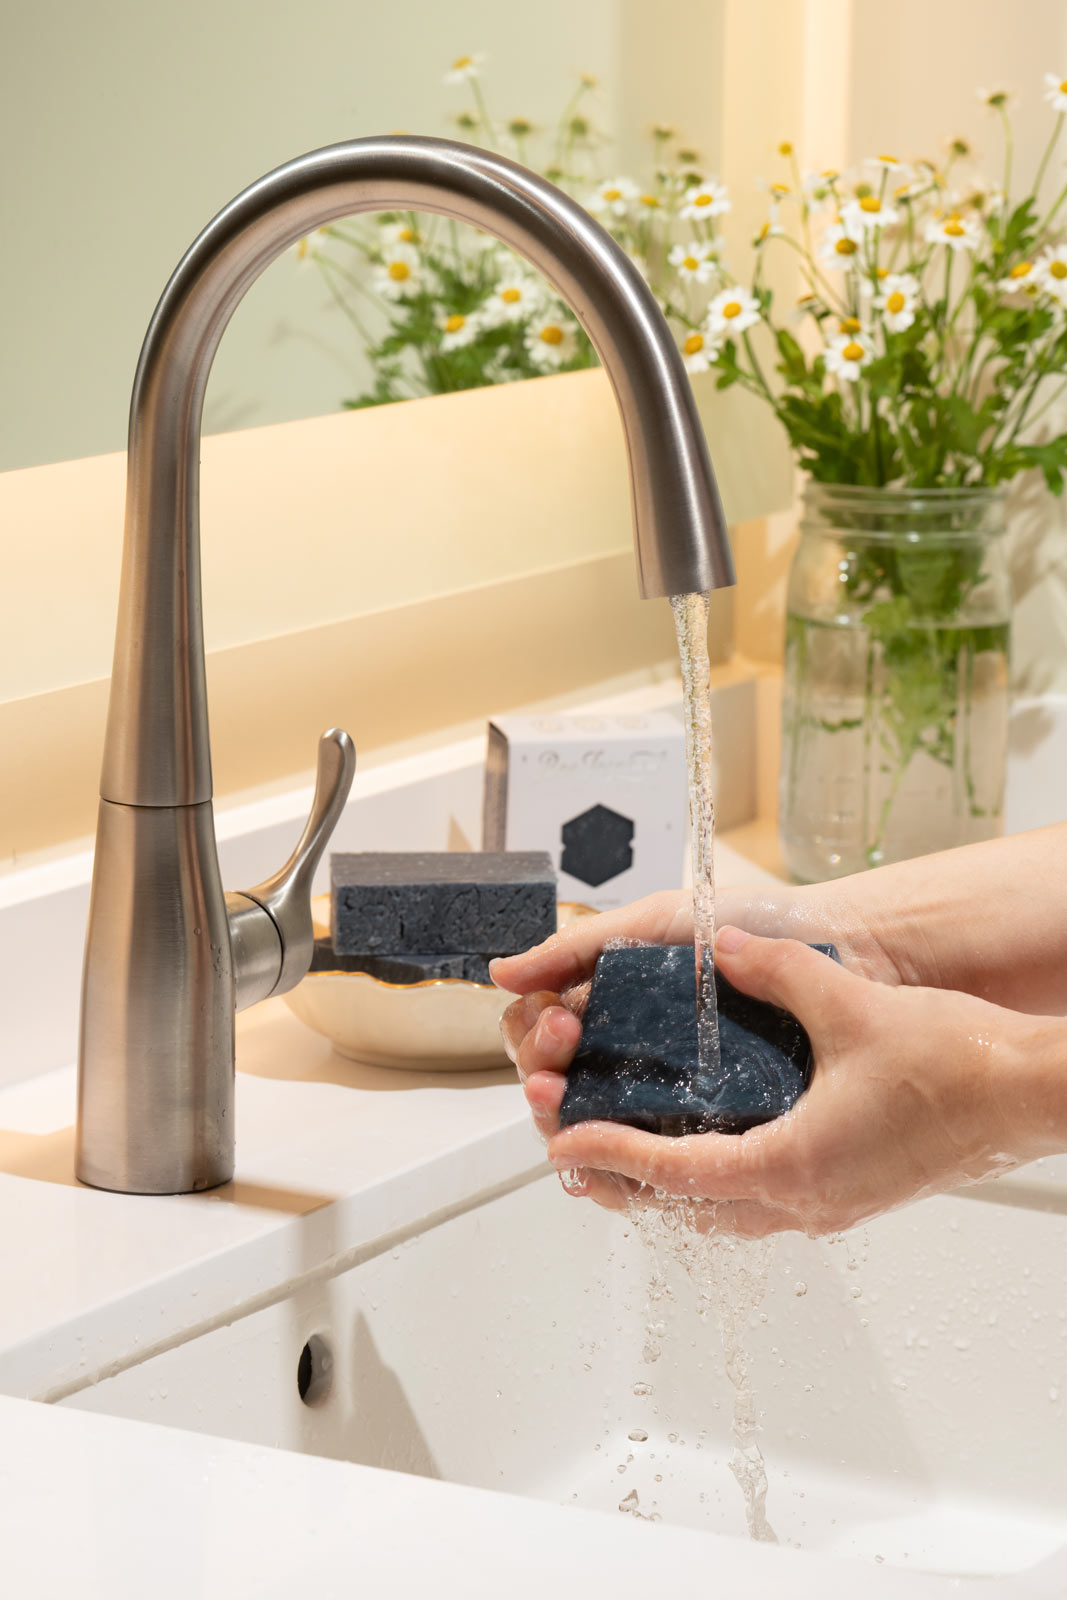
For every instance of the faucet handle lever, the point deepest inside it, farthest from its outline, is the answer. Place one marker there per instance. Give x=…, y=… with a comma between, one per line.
x=287, y=895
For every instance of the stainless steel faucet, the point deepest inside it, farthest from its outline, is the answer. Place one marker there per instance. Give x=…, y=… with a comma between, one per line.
x=169, y=957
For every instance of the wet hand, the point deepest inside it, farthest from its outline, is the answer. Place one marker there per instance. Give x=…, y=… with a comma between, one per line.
x=915, y=1090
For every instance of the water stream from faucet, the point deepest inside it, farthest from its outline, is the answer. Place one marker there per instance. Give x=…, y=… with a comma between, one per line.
x=691, y=625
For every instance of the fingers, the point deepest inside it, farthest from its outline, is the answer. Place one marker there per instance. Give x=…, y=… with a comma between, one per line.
x=826, y=999
x=520, y=1017
x=568, y=958
x=701, y=1166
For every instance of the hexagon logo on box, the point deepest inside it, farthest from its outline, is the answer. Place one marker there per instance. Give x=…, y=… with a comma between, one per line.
x=597, y=845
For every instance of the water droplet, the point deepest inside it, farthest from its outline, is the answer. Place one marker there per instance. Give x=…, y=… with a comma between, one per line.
x=642, y=1389
x=638, y=1435
x=800, y=1290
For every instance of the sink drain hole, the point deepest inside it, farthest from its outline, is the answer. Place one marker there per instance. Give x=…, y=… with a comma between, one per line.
x=314, y=1371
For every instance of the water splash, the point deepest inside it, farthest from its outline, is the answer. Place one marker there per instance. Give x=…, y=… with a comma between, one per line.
x=691, y=626
x=729, y=1276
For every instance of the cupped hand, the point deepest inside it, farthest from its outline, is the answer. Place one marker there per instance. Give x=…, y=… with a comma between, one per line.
x=915, y=1090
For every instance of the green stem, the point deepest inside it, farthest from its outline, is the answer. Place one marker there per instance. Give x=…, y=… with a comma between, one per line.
x=483, y=112
x=1009, y=151
x=1053, y=139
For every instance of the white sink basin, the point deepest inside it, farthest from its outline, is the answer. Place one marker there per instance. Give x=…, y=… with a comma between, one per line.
x=912, y=1379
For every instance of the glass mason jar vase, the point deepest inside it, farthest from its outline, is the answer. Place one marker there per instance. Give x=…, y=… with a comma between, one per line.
x=895, y=702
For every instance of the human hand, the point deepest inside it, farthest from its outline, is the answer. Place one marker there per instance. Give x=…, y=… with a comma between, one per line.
x=915, y=1090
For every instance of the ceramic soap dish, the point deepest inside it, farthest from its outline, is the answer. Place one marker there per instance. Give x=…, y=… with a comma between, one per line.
x=433, y=1025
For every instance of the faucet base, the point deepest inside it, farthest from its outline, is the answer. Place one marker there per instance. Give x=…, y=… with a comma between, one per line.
x=156, y=1060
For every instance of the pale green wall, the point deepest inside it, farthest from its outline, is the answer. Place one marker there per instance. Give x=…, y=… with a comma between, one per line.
x=126, y=124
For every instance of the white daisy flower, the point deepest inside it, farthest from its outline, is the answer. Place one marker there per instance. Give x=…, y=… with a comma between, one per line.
x=514, y=297
x=704, y=200
x=391, y=233
x=615, y=196
x=867, y=212
x=847, y=355
x=694, y=263
x=698, y=352
x=398, y=275
x=820, y=185
x=995, y=99
x=464, y=68
x=839, y=248
x=731, y=312
x=1050, y=272
x=1056, y=91
x=959, y=233
x=550, y=342
x=1021, y=277
x=310, y=246
x=890, y=164
x=457, y=330
x=897, y=300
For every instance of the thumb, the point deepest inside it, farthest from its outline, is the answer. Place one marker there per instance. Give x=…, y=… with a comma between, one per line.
x=815, y=988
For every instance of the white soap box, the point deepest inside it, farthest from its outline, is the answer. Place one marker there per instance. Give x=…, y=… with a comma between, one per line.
x=606, y=796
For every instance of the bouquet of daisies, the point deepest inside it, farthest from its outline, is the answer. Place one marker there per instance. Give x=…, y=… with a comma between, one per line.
x=934, y=305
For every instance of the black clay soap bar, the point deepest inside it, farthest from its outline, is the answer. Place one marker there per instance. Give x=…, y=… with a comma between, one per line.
x=637, y=1061
x=402, y=969
x=427, y=903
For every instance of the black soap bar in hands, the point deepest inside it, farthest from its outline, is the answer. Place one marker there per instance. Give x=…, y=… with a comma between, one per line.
x=426, y=903
x=638, y=1062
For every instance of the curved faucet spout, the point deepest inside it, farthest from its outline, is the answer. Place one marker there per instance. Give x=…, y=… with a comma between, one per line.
x=168, y=955
x=157, y=751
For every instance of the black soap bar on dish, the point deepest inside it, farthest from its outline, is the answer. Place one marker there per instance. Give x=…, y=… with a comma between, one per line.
x=638, y=1062
x=402, y=969
x=425, y=903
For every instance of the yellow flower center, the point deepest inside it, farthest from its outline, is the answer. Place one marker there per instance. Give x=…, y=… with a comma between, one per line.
x=850, y=325
x=552, y=334
x=895, y=302
x=830, y=175
x=1020, y=269
x=399, y=270
x=690, y=263
x=1063, y=86
x=901, y=190
x=853, y=351
x=882, y=272
x=780, y=189
x=612, y=194
x=454, y=322
x=890, y=160
x=461, y=62
x=870, y=202
x=1058, y=269
x=702, y=200
x=694, y=343
x=845, y=247
x=510, y=296
x=785, y=148
x=732, y=308
x=649, y=200
x=408, y=235
x=955, y=230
